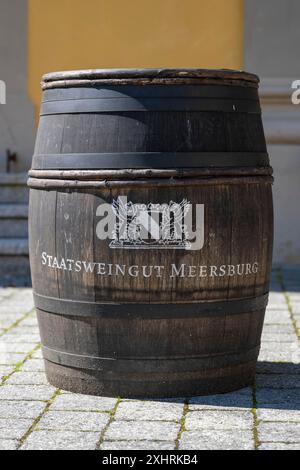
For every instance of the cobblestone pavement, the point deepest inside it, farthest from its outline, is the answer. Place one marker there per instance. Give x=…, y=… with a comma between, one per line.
x=34, y=415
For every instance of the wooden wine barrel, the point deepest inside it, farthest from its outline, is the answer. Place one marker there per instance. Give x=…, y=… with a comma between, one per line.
x=150, y=230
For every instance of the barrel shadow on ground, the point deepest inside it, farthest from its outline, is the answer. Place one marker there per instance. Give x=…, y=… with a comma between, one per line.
x=282, y=391
x=287, y=288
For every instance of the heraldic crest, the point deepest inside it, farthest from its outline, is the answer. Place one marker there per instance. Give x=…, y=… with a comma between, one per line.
x=150, y=225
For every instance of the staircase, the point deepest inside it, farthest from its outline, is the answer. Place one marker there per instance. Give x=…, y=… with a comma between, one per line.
x=14, y=262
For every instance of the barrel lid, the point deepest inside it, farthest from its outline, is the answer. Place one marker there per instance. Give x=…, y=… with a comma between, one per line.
x=144, y=76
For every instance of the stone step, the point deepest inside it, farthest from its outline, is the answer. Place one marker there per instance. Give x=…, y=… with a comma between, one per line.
x=13, y=179
x=14, y=271
x=10, y=228
x=14, y=261
x=13, y=220
x=13, y=247
x=11, y=194
x=13, y=211
x=13, y=188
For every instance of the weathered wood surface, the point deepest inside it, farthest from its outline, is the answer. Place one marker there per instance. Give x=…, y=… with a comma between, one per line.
x=151, y=132
x=81, y=175
x=148, y=76
x=151, y=322
x=160, y=73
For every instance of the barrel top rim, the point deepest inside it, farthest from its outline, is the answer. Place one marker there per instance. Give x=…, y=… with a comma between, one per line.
x=149, y=73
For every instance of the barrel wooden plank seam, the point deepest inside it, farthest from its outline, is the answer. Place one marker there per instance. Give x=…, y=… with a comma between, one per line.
x=173, y=165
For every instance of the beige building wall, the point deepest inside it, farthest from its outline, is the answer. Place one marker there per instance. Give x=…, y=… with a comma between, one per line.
x=72, y=34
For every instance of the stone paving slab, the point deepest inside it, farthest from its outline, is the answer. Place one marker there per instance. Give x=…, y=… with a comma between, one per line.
x=268, y=397
x=20, y=337
x=277, y=415
x=279, y=356
x=61, y=440
x=219, y=420
x=5, y=371
x=149, y=411
x=216, y=439
x=240, y=400
x=277, y=337
x=26, y=392
x=19, y=348
x=21, y=409
x=279, y=329
x=68, y=420
x=73, y=402
x=12, y=428
x=7, y=359
x=284, y=368
x=27, y=378
x=36, y=416
x=8, y=444
x=278, y=381
x=277, y=317
x=143, y=430
x=278, y=446
x=33, y=365
x=138, y=445
x=285, y=432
